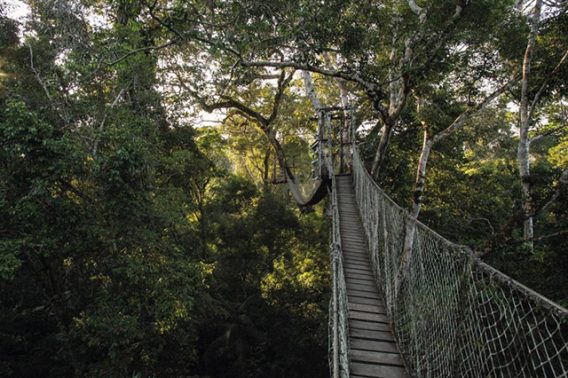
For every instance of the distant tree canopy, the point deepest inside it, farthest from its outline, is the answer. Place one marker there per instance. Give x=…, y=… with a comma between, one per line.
x=135, y=241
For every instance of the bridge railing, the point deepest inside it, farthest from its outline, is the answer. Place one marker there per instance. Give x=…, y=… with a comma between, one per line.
x=338, y=309
x=453, y=315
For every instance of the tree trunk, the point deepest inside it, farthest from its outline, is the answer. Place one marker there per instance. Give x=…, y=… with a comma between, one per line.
x=346, y=132
x=523, y=150
x=419, y=183
x=398, y=93
x=310, y=90
x=420, y=179
x=381, y=150
x=266, y=169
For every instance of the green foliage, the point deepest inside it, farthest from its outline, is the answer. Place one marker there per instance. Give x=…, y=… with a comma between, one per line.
x=133, y=244
x=270, y=279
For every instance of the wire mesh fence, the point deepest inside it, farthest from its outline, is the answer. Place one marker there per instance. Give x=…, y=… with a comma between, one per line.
x=453, y=315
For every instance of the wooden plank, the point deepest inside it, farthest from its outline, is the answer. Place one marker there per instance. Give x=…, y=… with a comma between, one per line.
x=351, y=249
x=365, y=273
x=348, y=245
x=351, y=276
x=362, y=281
x=379, y=318
x=349, y=239
x=350, y=222
x=368, y=279
x=369, y=289
x=351, y=219
x=361, y=268
x=371, y=345
x=371, y=335
x=365, y=259
x=363, y=294
x=362, y=286
x=353, y=241
x=347, y=235
x=358, y=274
x=356, y=258
x=352, y=237
x=351, y=257
x=356, y=270
x=366, y=356
x=355, y=250
x=365, y=268
x=364, y=264
x=370, y=326
x=351, y=264
x=363, y=300
x=379, y=371
x=375, y=309
x=364, y=276
x=349, y=229
x=346, y=232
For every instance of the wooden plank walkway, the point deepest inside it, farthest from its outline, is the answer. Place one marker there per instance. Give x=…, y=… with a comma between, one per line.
x=373, y=352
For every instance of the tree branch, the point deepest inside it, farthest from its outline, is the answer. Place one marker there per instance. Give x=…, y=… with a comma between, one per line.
x=102, y=124
x=371, y=89
x=549, y=77
x=547, y=133
x=416, y=9
x=466, y=115
x=44, y=87
x=520, y=216
x=283, y=82
x=141, y=49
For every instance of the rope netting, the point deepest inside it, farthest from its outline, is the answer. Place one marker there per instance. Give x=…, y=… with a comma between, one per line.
x=453, y=315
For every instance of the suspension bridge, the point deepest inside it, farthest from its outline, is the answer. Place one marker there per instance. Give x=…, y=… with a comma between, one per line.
x=438, y=312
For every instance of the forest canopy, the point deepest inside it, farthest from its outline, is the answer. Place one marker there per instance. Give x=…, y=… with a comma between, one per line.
x=154, y=155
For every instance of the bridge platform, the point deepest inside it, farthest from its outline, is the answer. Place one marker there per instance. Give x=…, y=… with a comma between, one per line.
x=373, y=351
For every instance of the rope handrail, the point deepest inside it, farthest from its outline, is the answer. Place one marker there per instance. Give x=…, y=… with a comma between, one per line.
x=339, y=308
x=454, y=315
